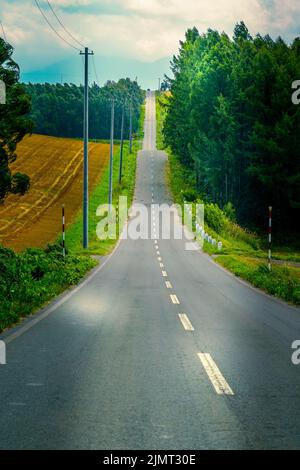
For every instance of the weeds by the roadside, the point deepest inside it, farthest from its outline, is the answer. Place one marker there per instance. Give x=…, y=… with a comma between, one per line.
x=30, y=279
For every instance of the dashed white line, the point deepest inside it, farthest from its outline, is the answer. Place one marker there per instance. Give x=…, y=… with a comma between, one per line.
x=159, y=258
x=174, y=299
x=168, y=285
x=185, y=322
x=161, y=265
x=164, y=273
x=219, y=383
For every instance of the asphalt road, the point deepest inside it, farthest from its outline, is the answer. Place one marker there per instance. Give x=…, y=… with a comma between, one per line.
x=114, y=366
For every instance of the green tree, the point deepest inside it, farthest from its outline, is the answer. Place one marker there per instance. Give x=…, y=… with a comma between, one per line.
x=14, y=123
x=231, y=119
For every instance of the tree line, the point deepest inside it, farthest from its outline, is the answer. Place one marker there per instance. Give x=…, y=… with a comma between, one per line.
x=57, y=109
x=230, y=118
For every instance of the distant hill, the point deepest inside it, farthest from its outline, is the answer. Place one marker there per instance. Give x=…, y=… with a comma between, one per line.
x=107, y=69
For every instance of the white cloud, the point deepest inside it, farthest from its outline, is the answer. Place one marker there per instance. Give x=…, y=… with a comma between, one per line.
x=141, y=29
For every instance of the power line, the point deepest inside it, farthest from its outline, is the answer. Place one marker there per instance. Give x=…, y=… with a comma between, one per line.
x=4, y=35
x=63, y=26
x=95, y=70
x=53, y=29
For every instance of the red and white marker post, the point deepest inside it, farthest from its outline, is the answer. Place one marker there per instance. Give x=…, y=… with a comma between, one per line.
x=270, y=239
x=63, y=232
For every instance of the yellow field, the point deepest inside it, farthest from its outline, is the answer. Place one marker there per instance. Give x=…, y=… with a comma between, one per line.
x=55, y=169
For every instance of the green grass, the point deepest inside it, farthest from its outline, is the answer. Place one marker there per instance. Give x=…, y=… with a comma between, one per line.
x=283, y=282
x=100, y=196
x=243, y=252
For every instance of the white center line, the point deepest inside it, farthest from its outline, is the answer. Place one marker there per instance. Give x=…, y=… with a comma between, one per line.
x=185, y=322
x=161, y=265
x=169, y=285
x=174, y=299
x=215, y=375
x=164, y=273
x=159, y=258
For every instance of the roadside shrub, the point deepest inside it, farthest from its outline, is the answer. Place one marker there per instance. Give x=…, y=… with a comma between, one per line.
x=241, y=234
x=214, y=217
x=189, y=195
x=31, y=278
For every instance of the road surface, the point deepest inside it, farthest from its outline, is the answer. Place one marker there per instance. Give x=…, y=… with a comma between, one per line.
x=160, y=349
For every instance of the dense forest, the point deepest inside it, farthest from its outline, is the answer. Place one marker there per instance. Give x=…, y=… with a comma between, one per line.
x=58, y=109
x=230, y=118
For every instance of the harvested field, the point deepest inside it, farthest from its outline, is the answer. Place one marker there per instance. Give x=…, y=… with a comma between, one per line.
x=55, y=169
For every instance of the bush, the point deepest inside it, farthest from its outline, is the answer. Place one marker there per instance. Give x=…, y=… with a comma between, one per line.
x=214, y=217
x=189, y=195
x=31, y=278
x=20, y=183
x=241, y=234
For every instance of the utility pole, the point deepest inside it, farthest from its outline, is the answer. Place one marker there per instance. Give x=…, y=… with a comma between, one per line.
x=122, y=141
x=159, y=84
x=111, y=167
x=130, y=127
x=85, y=209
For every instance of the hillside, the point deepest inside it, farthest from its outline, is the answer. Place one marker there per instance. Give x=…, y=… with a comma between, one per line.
x=55, y=169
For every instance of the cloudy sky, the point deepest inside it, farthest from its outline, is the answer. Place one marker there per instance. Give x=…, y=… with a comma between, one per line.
x=140, y=32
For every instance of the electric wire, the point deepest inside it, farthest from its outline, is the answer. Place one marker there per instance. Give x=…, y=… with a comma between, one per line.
x=4, y=35
x=63, y=26
x=52, y=27
x=95, y=71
